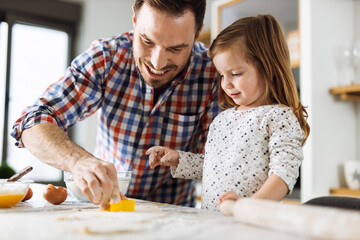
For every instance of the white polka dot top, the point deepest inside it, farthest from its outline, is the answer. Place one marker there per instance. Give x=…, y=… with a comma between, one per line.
x=243, y=148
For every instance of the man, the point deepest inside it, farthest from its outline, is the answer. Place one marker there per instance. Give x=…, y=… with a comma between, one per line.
x=152, y=86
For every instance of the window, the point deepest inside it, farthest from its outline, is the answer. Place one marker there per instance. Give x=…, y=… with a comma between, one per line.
x=35, y=49
x=30, y=75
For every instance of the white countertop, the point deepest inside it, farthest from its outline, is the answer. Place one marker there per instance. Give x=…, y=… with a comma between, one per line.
x=37, y=219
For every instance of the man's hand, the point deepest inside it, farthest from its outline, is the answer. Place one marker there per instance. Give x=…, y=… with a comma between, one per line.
x=98, y=181
x=162, y=156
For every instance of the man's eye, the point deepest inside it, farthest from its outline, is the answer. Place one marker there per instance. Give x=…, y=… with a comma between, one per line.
x=176, y=49
x=147, y=42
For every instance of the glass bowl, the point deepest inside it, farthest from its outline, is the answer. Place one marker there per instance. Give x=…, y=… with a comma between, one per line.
x=124, y=178
x=11, y=193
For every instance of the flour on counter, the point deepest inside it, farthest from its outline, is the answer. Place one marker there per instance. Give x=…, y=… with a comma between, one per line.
x=96, y=222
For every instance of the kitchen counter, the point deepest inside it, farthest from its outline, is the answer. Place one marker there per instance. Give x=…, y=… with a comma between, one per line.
x=37, y=219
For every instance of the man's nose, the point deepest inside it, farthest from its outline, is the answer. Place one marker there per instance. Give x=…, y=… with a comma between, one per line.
x=159, y=58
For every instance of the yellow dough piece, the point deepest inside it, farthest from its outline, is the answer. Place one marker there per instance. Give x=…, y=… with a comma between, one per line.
x=123, y=205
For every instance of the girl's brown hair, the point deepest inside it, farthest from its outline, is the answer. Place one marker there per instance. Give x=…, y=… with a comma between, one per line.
x=263, y=41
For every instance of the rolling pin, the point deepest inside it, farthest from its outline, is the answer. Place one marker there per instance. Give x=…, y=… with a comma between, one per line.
x=312, y=221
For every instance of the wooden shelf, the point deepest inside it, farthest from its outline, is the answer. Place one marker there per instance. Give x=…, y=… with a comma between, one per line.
x=347, y=93
x=291, y=201
x=345, y=192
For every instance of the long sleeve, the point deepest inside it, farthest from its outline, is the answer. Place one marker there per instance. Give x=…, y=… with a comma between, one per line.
x=190, y=166
x=285, y=146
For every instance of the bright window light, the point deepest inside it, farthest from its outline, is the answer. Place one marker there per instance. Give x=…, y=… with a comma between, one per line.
x=39, y=58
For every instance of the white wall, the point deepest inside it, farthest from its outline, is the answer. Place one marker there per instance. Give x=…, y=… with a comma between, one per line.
x=101, y=19
x=357, y=35
x=323, y=25
x=357, y=18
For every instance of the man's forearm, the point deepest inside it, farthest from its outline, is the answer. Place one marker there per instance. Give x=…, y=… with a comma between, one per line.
x=51, y=145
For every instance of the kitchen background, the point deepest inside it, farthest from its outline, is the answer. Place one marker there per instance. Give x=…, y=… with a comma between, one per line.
x=325, y=29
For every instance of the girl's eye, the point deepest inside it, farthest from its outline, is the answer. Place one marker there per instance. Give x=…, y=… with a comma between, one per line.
x=236, y=74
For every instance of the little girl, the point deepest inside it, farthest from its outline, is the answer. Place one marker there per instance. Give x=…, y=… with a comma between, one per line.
x=254, y=147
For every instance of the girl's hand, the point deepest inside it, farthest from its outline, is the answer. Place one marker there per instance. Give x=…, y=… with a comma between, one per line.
x=162, y=156
x=230, y=195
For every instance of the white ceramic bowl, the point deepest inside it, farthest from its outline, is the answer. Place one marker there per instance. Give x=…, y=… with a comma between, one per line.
x=11, y=193
x=124, y=178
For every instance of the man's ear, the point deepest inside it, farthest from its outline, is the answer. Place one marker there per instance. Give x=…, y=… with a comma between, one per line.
x=198, y=33
x=134, y=17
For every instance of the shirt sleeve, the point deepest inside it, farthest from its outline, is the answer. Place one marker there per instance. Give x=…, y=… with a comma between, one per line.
x=190, y=166
x=74, y=97
x=285, y=146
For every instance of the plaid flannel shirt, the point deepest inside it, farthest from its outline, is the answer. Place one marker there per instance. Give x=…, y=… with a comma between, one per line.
x=106, y=78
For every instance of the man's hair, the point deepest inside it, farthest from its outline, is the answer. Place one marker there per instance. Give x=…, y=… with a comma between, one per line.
x=262, y=42
x=176, y=8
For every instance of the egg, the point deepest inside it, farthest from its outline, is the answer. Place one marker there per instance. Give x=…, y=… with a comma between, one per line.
x=54, y=195
x=28, y=195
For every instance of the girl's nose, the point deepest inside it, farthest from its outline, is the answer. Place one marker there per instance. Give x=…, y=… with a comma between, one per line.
x=225, y=83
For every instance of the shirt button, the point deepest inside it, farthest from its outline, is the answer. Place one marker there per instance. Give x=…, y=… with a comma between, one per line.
x=148, y=90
